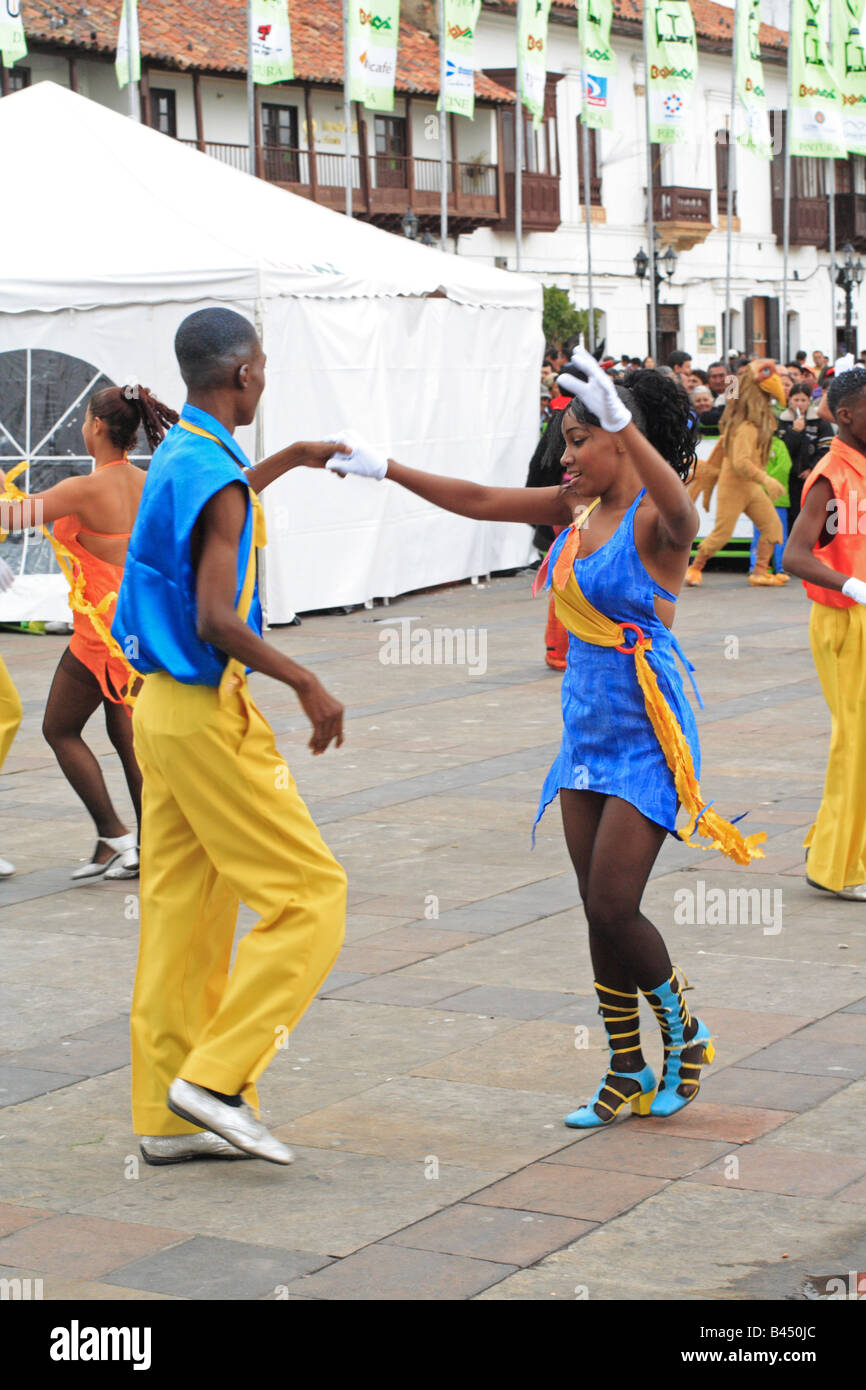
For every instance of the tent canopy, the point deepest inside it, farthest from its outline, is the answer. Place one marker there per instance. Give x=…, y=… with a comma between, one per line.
x=191, y=228
x=431, y=357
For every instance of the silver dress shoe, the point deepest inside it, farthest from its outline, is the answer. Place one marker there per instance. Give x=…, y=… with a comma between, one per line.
x=236, y=1123
x=854, y=893
x=180, y=1148
x=124, y=851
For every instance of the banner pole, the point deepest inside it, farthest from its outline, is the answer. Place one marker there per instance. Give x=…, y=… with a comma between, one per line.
x=831, y=196
x=650, y=223
x=131, y=49
x=443, y=137
x=347, y=107
x=726, y=336
x=786, y=209
x=587, y=212
x=518, y=144
x=251, y=92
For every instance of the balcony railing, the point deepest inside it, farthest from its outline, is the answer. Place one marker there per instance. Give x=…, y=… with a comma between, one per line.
x=384, y=185
x=809, y=221
x=540, y=202
x=851, y=220
x=681, y=204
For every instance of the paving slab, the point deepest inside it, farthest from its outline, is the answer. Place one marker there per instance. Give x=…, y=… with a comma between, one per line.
x=588, y=1194
x=395, y=1274
x=492, y=1233
x=207, y=1268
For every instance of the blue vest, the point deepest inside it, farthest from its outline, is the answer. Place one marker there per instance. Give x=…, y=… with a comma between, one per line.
x=155, y=621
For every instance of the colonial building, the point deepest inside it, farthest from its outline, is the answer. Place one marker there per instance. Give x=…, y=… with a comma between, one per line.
x=193, y=89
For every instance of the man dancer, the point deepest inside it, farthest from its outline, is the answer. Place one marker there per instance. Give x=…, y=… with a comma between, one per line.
x=827, y=550
x=222, y=818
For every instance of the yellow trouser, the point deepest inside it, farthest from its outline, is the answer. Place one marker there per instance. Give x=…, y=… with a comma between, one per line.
x=222, y=822
x=837, y=840
x=10, y=712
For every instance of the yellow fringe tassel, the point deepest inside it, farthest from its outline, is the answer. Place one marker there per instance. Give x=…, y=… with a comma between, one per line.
x=78, y=601
x=580, y=617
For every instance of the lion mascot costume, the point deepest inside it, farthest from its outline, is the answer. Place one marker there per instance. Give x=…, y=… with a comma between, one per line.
x=737, y=468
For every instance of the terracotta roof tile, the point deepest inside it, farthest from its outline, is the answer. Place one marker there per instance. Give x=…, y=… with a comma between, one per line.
x=183, y=33
x=713, y=23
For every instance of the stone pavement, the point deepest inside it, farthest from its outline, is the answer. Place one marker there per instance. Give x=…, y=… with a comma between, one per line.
x=425, y=1088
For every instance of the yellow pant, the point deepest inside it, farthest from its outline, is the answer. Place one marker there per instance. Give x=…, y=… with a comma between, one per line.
x=10, y=712
x=837, y=840
x=222, y=822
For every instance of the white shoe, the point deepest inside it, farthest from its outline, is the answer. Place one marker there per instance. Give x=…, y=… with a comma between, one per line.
x=854, y=893
x=125, y=853
x=6, y=868
x=236, y=1123
x=126, y=866
x=180, y=1148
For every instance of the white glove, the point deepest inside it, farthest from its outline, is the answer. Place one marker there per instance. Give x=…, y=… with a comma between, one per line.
x=856, y=589
x=362, y=460
x=7, y=577
x=843, y=364
x=598, y=393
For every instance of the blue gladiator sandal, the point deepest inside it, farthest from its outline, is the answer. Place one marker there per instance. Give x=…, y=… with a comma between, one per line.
x=680, y=1081
x=619, y=1012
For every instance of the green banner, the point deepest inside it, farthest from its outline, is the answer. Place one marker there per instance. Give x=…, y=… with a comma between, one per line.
x=461, y=18
x=121, y=62
x=373, y=36
x=751, y=122
x=271, y=41
x=673, y=70
x=598, y=62
x=849, y=61
x=13, y=45
x=532, y=38
x=814, y=102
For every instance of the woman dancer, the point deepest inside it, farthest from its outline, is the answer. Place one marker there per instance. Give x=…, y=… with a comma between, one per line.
x=93, y=517
x=630, y=751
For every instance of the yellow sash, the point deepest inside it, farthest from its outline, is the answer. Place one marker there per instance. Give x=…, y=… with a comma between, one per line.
x=235, y=672
x=580, y=617
x=73, y=573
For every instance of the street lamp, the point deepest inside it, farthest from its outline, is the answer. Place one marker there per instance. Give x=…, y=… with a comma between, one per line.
x=849, y=274
x=668, y=262
x=409, y=223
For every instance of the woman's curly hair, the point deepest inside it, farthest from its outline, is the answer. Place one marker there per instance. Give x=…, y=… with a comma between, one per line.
x=661, y=411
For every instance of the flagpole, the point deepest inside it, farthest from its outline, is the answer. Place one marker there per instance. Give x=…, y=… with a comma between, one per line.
x=443, y=136
x=651, y=269
x=587, y=210
x=131, y=49
x=831, y=196
x=726, y=337
x=251, y=92
x=347, y=107
x=518, y=143
x=786, y=207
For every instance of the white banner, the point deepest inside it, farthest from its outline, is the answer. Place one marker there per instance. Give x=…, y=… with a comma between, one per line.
x=121, y=65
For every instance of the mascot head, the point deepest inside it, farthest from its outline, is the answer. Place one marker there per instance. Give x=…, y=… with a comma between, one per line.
x=757, y=384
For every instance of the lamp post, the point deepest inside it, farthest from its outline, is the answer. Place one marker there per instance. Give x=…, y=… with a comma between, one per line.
x=409, y=223
x=849, y=274
x=668, y=263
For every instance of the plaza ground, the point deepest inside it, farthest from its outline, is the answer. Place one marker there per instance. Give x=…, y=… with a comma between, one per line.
x=424, y=1090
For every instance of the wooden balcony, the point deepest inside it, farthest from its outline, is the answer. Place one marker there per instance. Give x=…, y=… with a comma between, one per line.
x=851, y=220
x=383, y=186
x=540, y=203
x=682, y=215
x=809, y=224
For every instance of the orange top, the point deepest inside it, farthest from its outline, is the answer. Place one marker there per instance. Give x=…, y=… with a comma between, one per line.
x=845, y=471
x=100, y=580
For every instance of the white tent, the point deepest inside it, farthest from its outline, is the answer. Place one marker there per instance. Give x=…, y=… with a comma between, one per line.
x=112, y=233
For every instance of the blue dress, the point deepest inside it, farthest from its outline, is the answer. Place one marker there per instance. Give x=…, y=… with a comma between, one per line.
x=608, y=742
